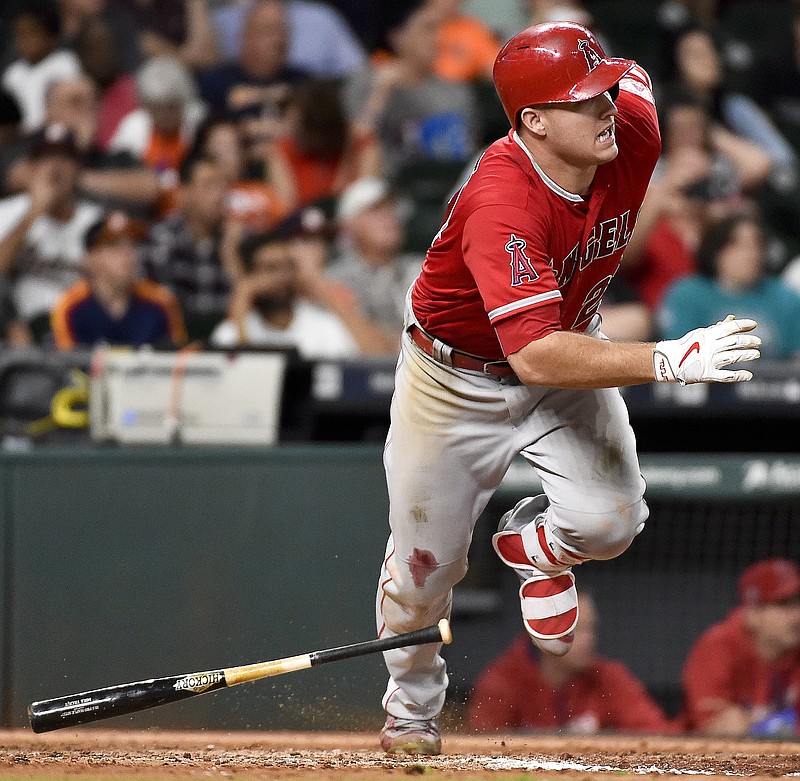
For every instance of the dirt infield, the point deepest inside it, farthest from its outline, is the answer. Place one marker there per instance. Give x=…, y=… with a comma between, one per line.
x=90, y=753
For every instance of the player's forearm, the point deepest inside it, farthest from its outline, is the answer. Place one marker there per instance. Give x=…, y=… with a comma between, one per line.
x=565, y=359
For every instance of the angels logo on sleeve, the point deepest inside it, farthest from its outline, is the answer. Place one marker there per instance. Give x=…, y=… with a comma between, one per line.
x=522, y=269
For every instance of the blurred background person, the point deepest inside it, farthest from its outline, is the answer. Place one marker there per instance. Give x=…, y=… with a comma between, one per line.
x=112, y=305
x=702, y=174
x=77, y=13
x=742, y=675
x=249, y=198
x=698, y=68
x=370, y=261
x=116, y=90
x=731, y=278
x=414, y=113
x=161, y=132
x=42, y=229
x=193, y=251
x=321, y=152
x=465, y=46
x=320, y=41
x=270, y=307
x=257, y=82
x=112, y=179
x=580, y=693
x=180, y=28
x=36, y=29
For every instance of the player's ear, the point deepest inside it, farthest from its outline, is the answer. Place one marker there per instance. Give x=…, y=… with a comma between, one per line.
x=531, y=119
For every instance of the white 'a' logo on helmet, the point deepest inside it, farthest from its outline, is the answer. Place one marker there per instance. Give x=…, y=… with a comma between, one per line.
x=593, y=59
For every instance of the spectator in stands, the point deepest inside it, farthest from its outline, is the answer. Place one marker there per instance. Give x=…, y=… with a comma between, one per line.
x=413, y=112
x=704, y=172
x=76, y=13
x=320, y=41
x=698, y=68
x=36, y=29
x=111, y=179
x=259, y=81
x=249, y=199
x=742, y=676
x=116, y=90
x=112, y=305
x=370, y=262
x=41, y=230
x=731, y=278
x=466, y=48
x=193, y=251
x=578, y=693
x=775, y=77
x=180, y=28
x=322, y=152
x=273, y=304
x=14, y=332
x=162, y=130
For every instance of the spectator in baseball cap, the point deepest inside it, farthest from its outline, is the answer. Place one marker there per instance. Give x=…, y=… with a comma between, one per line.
x=742, y=676
x=370, y=260
x=112, y=305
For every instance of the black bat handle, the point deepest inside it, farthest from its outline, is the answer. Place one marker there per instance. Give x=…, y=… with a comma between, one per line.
x=430, y=634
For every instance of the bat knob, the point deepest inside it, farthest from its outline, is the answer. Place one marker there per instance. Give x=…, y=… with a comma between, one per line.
x=444, y=631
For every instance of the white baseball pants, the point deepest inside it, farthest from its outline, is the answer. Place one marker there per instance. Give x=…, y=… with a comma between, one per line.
x=452, y=437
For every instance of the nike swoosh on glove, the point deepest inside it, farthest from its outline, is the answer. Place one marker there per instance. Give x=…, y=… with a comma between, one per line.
x=702, y=354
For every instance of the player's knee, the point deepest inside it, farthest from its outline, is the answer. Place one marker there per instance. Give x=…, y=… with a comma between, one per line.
x=606, y=535
x=418, y=596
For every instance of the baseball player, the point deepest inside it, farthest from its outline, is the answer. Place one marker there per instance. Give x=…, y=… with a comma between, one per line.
x=502, y=354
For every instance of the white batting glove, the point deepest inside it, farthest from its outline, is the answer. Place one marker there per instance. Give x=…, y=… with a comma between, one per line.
x=702, y=354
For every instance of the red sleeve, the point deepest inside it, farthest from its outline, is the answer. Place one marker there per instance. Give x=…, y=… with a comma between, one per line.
x=708, y=684
x=505, y=249
x=631, y=708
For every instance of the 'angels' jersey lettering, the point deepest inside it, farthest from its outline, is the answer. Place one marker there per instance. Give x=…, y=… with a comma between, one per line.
x=562, y=249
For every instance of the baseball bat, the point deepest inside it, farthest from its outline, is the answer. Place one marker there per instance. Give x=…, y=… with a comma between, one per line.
x=97, y=704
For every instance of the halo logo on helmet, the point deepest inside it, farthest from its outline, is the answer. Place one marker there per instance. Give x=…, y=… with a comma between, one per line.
x=593, y=59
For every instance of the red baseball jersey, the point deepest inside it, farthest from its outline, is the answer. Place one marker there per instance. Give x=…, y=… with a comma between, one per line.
x=512, y=694
x=517, y=256
x=723, y=668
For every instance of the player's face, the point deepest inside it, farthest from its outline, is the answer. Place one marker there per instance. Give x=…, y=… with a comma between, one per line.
x=582, y=133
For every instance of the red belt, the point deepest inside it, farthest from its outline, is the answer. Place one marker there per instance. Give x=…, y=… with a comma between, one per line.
x=449, y=356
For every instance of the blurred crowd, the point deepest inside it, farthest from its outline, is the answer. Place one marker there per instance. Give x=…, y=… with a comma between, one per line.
x=270, y=172
x=740, y=679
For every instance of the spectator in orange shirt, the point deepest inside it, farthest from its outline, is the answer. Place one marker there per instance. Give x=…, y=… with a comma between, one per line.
x=323, y=152
x=742, y=676
x=578, y=693
x=466, y=47
x=112, y=305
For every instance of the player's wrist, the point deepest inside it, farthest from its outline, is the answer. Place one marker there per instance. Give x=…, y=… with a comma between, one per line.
x=662, y=368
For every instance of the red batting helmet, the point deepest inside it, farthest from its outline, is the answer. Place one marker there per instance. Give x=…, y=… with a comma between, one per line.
x=558, y=62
